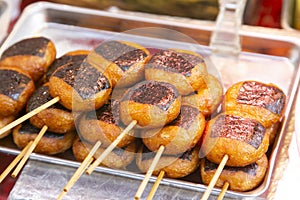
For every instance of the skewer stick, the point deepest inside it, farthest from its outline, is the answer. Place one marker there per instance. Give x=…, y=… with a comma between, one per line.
x=156, y=184
x=28, y=115
x=149, y=173
x=223, y=191
x=110, y=148
x=29, y=151
x=14, y=162
x=86, y=162
x=215, y=177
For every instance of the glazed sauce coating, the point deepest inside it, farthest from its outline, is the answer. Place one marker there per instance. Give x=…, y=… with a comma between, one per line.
x=186, y=117
x=172, y=61
x=32, y=46
x=28, y=128
x=249, y=169
x=85, y=79
x=257, y=94
x=12, y=83
x=121, y=54
x=62, y=61
x=238, y=128
x=155, y=93
x=40, y=97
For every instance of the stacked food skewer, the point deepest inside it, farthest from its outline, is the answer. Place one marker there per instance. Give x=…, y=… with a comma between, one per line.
x=130, y=104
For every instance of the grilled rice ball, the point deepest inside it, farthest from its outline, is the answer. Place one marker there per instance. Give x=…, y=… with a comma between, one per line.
x=240, y=179
x=77, y=56
x=178, y=136
x=57, y=118
x=184, y=69
x=33, y=55
x=51, y=143
x=244, y=140
x=174, y=166
x=16, y=87
x=260, y=101
x=80, y=87
x=206, y=99
x=119, y=158
x=152, y=104
x=123, y=61
x=104, y=125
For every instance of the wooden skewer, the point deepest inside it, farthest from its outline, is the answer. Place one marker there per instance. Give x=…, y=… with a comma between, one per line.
x=86, y=162
x=110, y=148
x=28, y=115
x=156, y=184
x=29, y=151
x=223, y=191
x=215, y=177
x=14, y=162
x=149, y=173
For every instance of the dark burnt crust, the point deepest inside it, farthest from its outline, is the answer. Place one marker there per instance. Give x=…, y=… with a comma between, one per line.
x=64, y=60
x=172, y=61
x=188, y=155
x=84, y=78
x=262, y=95
x=124, y=56
x=28, y=128
x=187, y=116
x=108, y=113
x=40, y=97
x=13, y=83
x=246, y=130
x=249, y=169
x=155, y=93
x=32, y=46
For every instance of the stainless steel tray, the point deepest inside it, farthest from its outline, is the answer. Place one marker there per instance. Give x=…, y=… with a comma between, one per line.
x=268, y=55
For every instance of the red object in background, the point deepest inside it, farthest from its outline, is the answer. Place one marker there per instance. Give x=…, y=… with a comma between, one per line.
x=266, y=13
x=9, y=182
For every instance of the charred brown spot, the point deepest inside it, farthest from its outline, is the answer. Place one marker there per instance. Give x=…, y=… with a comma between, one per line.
x=258, y=94
x=107, y=113
x=188, y=155
x=32, y=46
x=238, y=128
x=187, y=116
x=85, y=79
x=121, y=54
x=249, y=169
x=40, y=97
x=13, y=83
x=155, y=93
x=64, y=60
x=173, y=61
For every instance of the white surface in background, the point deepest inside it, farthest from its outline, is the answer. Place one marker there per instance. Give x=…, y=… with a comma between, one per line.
x=288, y=186
x=11, y=11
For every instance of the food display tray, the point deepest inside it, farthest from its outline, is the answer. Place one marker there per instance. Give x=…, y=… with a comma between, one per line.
x=267, y=55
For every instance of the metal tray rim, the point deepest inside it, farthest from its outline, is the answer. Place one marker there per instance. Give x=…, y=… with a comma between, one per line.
x=38, y=7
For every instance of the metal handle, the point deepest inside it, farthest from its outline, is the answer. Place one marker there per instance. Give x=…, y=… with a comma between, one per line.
x=225, y=38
